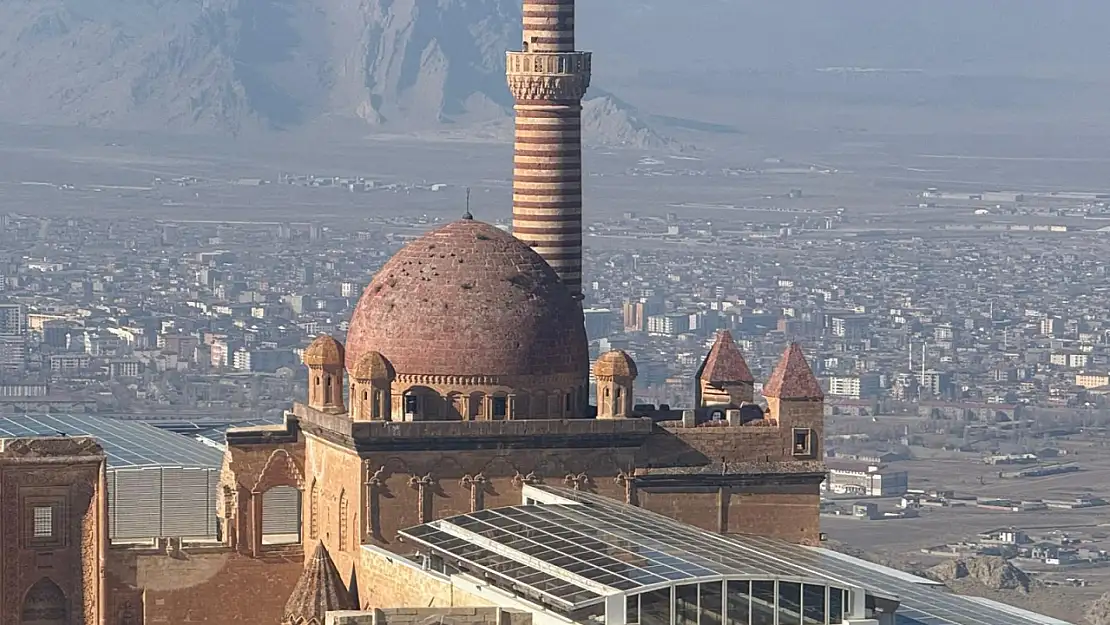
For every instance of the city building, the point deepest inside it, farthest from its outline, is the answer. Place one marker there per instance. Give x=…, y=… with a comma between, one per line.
x=13, y=319
x=13, y=353
x=599, y=322
x=865, y=480
x=1092, y=380
x=855, y=387
x=668, y=325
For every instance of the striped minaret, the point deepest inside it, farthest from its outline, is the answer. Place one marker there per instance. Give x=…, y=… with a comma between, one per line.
x=548, y=79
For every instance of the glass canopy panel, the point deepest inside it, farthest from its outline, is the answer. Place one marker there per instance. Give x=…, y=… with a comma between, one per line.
x=600, y=543
x=560, y=591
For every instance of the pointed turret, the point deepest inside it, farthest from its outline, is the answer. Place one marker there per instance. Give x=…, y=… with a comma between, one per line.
x=796, y=404
x=793, y=379
x=724, y=377
x=319, y=590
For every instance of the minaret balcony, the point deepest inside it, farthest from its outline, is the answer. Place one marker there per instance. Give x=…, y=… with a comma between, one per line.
x=549, y=63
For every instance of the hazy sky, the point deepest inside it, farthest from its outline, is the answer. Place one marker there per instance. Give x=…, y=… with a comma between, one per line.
x=1026, y=37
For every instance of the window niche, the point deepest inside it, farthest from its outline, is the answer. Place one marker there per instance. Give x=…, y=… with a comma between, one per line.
x=803, y=442
x=44, y=522
x=499, y=407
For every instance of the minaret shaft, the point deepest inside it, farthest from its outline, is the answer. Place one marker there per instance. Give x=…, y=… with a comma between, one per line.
x=548, y=79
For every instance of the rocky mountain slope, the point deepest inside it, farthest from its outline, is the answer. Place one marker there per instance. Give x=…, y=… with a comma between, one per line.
x=242, y=65
x=232, y=64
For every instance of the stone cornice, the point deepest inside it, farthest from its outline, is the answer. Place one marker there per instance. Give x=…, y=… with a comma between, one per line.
x=463, y=382
x=51, y=449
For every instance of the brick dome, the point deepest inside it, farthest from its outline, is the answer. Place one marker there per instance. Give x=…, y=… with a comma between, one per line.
x=615, y=364
x=325, y=351
x=469, y=299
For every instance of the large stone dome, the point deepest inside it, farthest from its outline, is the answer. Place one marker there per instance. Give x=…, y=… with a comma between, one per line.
x=469, y=299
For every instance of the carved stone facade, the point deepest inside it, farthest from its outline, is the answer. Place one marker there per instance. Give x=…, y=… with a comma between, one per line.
x=53, y=531
x=540, y=87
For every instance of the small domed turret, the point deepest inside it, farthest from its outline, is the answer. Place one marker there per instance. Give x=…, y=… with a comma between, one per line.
x=616, y=379
x=371, y=388
x=324, y=359
x=373, y=366
x=323, y=352
x=615, y=364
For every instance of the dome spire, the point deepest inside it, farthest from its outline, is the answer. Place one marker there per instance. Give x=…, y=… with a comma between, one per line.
x=467, y=216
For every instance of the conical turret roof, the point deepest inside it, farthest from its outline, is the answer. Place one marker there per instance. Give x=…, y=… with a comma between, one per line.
x=319, y=590
x=792, y=378
x=725, y=363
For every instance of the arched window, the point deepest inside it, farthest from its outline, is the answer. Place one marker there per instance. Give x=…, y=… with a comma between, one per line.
x=343, y=521
x=314, y=512
x=45, y=604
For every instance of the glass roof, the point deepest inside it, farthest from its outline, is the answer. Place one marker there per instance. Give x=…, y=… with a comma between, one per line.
x=571, y=555
x=581, y=553
x=126, y=443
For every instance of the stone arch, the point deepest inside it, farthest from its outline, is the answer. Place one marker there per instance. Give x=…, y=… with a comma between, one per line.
x=421, y=403
x=455, y=406
x=477, y=406
x=499, y=409
x=447, y=466
x=44, y=603
x=394, y=465
x=550, y=467
x=499, y=466
x=280, y=470
x=344, y=521
x=314, y=511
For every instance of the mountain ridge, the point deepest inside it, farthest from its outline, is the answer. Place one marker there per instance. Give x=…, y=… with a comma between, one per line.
x=242, y=66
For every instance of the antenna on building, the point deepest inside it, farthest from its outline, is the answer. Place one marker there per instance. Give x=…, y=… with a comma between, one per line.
x=467, y=216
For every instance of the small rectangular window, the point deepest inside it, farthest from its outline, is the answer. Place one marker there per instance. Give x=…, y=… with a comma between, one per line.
x=500, y=407
x=803, y=442
x=43, y=526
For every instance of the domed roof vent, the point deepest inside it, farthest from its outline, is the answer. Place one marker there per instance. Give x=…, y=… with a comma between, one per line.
x=325, y=351
x=373, y=366
x=615, y=364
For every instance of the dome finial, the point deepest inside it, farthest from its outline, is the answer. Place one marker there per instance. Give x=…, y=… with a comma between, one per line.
x=467, y=216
